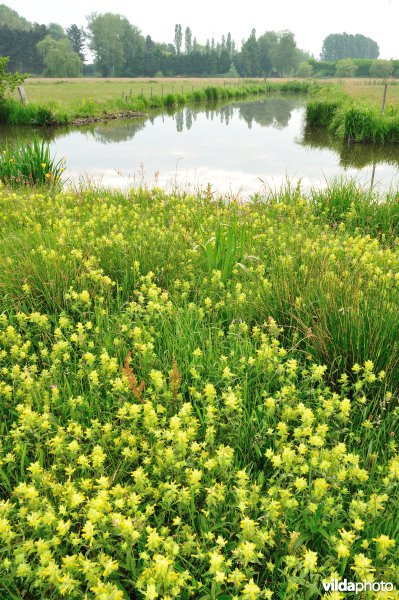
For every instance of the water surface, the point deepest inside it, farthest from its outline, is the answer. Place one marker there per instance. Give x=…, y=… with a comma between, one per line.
x=240, y=147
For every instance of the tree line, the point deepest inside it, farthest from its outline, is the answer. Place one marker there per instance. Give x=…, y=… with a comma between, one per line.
x=119, y=49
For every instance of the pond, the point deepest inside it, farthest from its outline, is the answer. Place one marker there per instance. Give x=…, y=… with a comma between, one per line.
x=239, y=148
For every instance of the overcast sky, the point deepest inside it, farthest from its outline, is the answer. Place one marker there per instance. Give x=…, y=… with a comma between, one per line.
x=310, y=20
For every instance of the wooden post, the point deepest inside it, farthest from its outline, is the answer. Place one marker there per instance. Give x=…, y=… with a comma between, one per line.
x=172, y=89
x=130, y=93
x=162, y=90
x=22, y=94
x=182, y=93
x=384, y=98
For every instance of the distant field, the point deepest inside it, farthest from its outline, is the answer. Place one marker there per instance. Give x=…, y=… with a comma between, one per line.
x=72, y=91
x=372, y=90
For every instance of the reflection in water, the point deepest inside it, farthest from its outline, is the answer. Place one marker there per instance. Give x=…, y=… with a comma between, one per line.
x=275, y=113
x=351, y=154
x=234, y=146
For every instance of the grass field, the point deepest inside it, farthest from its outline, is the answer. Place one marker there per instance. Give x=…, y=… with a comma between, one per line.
x=372, y=90
x=69, y=91
x=199, y=398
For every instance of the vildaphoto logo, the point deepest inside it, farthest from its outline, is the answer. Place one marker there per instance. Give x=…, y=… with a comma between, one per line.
x=335, y=585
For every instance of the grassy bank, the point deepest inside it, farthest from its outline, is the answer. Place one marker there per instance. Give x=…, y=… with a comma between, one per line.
x=64, y=109
x=198, y=398
x=354, y=119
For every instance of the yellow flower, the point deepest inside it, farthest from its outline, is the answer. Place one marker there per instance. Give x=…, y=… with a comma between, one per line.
x=251, y=591
x=310, y=560
x=342, y=550
x=384, y=543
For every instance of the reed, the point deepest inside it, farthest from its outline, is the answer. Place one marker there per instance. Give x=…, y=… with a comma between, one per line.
x=30, y=165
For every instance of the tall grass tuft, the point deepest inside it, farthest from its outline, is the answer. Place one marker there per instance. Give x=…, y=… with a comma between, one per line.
x=16, y=113
x=226, y=248
x=30, y=165
x=354, y=121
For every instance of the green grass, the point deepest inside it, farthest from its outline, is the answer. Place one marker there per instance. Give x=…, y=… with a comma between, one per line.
x=199, y=398
x=352, y=119
x=92, y=99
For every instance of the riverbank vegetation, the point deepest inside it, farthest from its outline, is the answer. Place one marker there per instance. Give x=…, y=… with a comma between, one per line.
x=198, y=396
x=352, y=118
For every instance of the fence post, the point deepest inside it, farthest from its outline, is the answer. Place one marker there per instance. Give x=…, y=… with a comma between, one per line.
x=384, y=98
x=22, y=94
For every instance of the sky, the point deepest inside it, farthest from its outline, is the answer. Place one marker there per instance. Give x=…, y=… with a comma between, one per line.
x=310, y=20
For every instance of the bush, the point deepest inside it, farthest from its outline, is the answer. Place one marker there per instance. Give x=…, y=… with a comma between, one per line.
x=381, y=68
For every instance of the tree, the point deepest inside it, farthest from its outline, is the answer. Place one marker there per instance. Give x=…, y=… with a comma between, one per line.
x=381, y=68
x=59, y=58
x=346, y=68
x=343, y=45
x=247, y=61
x=266, y=42
x=178, y=38
x=12, y=19
x=118, y=46
x=305, y=69
x=284, y=54
x=56, y=31
x=188, y=36
x=9, y=81
x=77, y=39
x=20, y=46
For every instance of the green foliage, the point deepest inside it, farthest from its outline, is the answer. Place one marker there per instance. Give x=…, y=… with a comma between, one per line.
x=226, y=248
x=15, y=113
x=356, y=121
x=77, y=38
x=346, y=67
x=117, y=45
x=284, y=55
x=305, y=69
x=11, y=19
x=9, y=81
x=343, y=45
x=296, y=87
x=320, y=112
x=30, y=165
x=381, y=68
x=59, y=57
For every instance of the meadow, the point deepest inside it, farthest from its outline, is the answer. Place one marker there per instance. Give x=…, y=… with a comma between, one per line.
x=198, y=396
